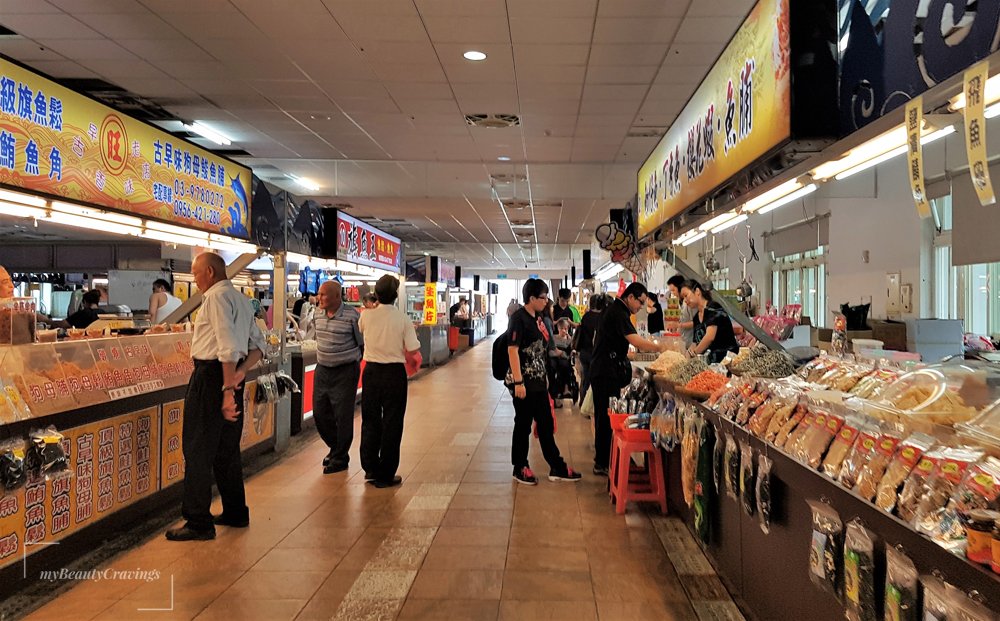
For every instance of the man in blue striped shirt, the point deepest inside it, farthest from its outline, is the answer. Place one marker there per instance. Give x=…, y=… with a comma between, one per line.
x=339, y=346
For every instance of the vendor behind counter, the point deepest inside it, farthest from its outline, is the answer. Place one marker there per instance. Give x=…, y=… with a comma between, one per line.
x=88, y=312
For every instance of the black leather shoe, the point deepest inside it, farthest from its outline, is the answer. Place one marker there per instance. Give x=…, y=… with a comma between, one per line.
x=224, y=520
x=189, y=534
x=327, y=459
x=369, y=476
x=332, y=468
x=396, y=480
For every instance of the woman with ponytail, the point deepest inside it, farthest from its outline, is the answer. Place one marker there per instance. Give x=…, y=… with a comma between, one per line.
x=713, y=330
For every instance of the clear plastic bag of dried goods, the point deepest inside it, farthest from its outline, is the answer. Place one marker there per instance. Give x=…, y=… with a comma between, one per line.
x=719, y=463
x=860, y=453
x=841, y=446
x=689, y=454
x=703, y=492
x=13, y=472
x=932, y=517
x=46, y=455
x=900, y=586
x=732, y=471
x=826, y=548
x=748, y=486
x=978, y=490
x=859, y=573
x=764, y=492
x=871, y=473
x=815, y=442
x=907, y=457
x=915, y=485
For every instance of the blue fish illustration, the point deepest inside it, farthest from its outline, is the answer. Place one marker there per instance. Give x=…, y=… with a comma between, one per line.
x=239, y=210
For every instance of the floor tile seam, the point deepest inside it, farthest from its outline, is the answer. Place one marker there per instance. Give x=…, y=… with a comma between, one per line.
x=684, y=587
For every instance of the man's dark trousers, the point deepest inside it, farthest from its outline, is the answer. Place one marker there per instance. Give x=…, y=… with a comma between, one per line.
x=335, y=391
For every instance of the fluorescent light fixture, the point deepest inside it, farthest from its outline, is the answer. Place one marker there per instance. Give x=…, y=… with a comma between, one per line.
x=504, y=158
x=992, y=111
x=172, y=238
x=20, y=211
x=929, y=138
x=263, y=277
x=809, y=189
x=306, y=183
x=757, y=202
x=991, y=94
x=176, y=230
x=24, y=199
x=207, y=132
x=99, y=281
x=730, y=223
x=607, y=272
x=97, y=214
x=687, y=242
x=717, y=220
x=881, y=144
x=83, y=222
x=474, y=55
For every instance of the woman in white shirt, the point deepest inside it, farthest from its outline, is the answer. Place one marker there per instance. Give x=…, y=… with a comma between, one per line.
x=390, y=342
x=162, y=302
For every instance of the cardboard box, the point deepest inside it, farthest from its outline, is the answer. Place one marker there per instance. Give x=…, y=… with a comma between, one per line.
x=891, y=333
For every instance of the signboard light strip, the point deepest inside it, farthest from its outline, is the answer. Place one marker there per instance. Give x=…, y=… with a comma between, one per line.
x=20, y=211
x=697, y=237
x=730, y=224
x=207, y=132
x=809, y=189
x=107, y=216
x=24, y=199
x=718, y=220
x=766, y=198
x=84, y=222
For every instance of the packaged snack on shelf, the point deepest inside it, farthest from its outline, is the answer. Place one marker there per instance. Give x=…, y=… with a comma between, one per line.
x=764, y=492
x=751, y=405
x=915, y=485
x=872, y=385
x=703, y=481
x=860, y=453
x=903, y=462
x=841, y=446
x=791, y=425
x=782, y=416
x=938, y=601
x=46, y=455
x=931, y=518
x=730, y=408
x=719, y=462
x=748, y=486
x=815, y=442
x=872, y=472
x=13, y=472
x=795, y=437
x=900, y=586
x=663, y=423
x=732, y=471
x=689, y=454
x=859, y=573
x=979, y=490
x=826, y=548
x=781, y=406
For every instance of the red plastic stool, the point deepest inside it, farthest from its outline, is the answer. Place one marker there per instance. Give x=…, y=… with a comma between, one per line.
x=627, y=483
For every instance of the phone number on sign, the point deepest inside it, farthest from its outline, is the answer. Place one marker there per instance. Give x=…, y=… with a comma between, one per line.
x=184, y=209
x=199, y=194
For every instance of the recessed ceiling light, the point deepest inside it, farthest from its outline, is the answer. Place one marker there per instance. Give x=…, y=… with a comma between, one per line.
x=504, y=158
x=474, y=55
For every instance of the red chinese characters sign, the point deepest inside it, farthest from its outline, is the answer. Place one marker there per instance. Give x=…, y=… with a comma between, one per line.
x=359, y=242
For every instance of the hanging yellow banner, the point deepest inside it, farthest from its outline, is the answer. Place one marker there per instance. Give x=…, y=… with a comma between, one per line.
x=975, y=131
x=914, y=155
x=430, y=304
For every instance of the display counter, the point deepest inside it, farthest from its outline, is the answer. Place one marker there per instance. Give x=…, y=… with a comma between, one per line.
x=769, y=572
x=119, y=405
x=304, y=374
x=476, y=330
x=434, y=344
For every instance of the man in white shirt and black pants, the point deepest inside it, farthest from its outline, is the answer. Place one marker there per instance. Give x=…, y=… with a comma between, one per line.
x=226, y=344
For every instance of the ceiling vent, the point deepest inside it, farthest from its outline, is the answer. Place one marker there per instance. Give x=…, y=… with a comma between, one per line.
x=508, y=178
x=493, y=121
x=646, y=132
x=517, y=204
x=522, y=223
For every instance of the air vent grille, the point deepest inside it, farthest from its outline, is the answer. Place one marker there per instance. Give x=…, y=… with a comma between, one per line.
x=645, y=132
x=508, y=178
x=493, y=121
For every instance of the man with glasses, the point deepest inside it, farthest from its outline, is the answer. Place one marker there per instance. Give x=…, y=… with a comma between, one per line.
x=609, y=369
x=527, y=349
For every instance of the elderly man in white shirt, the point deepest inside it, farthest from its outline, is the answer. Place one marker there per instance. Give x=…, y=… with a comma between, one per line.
x=226, y=344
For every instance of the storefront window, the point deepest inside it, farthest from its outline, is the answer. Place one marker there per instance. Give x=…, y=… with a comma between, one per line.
x=801, y=279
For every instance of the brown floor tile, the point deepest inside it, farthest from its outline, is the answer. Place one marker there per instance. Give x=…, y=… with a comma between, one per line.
x=397, y=557
x=645, y=611
x=321, y=537
x=482, y=502
x=411, y=517
x=300, y=559
x=441, y=557
x=472, y=536
x=319, y=609
x=56, y=610
x=226, y=608
x=635, y=587
x=488, y=476
x=382, y=584
x=546, y=585
x=465, y=584
x=368, y=610
x=704, y=588
x=298, y=585
x=129, y=610
x=537, y=558
x=476, y=517
x=558, y=537
x=450, y=610
x=485, y=489
x=514, y=610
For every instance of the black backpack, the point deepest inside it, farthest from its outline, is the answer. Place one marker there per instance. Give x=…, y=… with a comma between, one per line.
x=501, y=360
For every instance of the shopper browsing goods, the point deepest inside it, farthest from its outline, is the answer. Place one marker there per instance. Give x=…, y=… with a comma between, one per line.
x=390, y=344
x=610, y=370
x=225, y=345
x=339, y=344
x=527, y=351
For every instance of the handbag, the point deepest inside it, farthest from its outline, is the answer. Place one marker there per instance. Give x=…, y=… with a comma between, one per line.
x=621, y=370
x=587, y=409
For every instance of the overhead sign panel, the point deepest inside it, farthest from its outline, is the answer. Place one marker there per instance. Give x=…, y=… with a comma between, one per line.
x=59, y=142
x=741, y=111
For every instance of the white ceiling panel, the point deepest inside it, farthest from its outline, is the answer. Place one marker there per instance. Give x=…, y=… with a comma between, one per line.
x=635, y=29
x=137, y=24
x=158, y=88
x=49, y=27
x=167, y=49
x=538, y=91
x=551, y=30
x=462, y=8
x=225, y=22
x=416, y=52
x=472, y=30
x=693, y=54
x=718, y=29
x=90, y=49
x=281, y=24
x=131, y=67
x=27, y=50
x=628, y=74
x=547, y=108
x=32, y=7
x=551, y=74
x=365, y=30
x=367, y=104
x=645, y=8
x=619, y=92
x=551, y=8
x=428, y=106
x=62, y=69
x=551, y=54
x=627, y=54
x=407, y=72
x=720, y=8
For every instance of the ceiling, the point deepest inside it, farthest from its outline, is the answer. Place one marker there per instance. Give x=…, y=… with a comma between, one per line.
x=367, y=99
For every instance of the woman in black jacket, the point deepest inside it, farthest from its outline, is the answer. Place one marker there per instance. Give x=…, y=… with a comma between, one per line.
x=584, y=339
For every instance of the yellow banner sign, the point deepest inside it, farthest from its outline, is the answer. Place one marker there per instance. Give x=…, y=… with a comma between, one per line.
x=914, y=115
x=975, y=131
x=430, y=304
x=58, y=142
x=741, y=111
x=113, y=463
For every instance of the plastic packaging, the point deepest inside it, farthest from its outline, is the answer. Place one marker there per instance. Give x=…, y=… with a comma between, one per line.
x=13, y=472
x=859, y=573
x=46, y=455
x=795, y=438
x=703, y=481
x=900, y=586
x=938, y=604
x=841, y=447
x=781, y=416
x=814, y=443
x=764, y=493
x=718, y=464
x=732, y=470
x=863, y=448
x=689, y=454
x=748, y=486
x=798, y=416
x=872, y=472
x=827, y=546
x=903, y=462
x=915, y=485
x=750, y=406
x=978, y=491
x=933, y=517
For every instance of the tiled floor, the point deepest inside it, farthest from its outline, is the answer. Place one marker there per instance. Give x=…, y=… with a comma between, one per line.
x=458, y=540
